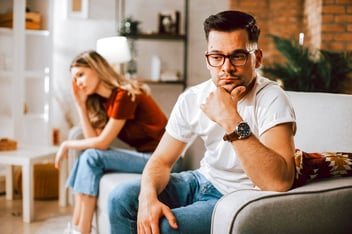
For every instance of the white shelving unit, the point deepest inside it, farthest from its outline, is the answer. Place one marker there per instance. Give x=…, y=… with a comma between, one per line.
x=25, y=74
x=171, y=48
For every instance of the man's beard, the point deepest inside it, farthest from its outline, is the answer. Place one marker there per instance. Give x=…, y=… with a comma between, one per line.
x=229, y=81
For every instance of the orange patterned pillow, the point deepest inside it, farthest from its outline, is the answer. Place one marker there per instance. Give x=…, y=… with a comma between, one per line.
x=310, y=166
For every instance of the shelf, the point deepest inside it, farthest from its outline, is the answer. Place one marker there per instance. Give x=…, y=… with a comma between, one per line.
x=36, y=74
x=37, y=32
x=6, y=74
x=5, y=117
x=6, y=30
x=158, y=36
x=30, y=74
x=161, y=81
x=25, y=71
x=170, y=48
x=28, y=32
x=36, y=116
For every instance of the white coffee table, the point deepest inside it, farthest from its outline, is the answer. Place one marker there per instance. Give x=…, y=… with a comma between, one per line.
x=27, y=156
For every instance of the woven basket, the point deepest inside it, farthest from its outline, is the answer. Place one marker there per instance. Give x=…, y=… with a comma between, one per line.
x=7, y=144
x=46, y=182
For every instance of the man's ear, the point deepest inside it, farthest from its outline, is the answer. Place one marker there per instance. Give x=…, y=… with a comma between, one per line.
x=206, y=61
x=259, y=58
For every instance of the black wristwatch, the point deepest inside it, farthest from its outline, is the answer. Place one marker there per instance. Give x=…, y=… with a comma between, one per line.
x=242, y=131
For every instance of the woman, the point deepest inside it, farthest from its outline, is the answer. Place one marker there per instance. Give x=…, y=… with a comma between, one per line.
x=109, y=106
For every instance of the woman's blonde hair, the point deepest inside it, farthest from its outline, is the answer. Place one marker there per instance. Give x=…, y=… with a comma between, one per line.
x=93, y=60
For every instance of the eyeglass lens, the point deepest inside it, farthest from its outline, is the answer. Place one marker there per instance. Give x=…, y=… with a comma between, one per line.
x=236, y=59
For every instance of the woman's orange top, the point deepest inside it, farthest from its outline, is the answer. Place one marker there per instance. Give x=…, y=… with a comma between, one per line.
x=145, y=121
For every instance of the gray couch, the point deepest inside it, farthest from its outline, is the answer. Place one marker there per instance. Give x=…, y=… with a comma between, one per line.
x=321, y=206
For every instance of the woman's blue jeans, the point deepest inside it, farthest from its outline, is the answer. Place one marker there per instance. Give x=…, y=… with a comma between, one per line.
x=93, y=163
x=190, y=196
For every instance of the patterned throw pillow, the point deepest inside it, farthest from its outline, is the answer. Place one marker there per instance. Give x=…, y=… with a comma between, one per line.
x=310, y=166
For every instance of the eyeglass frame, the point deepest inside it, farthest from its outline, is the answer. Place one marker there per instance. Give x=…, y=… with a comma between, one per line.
x=229, y=57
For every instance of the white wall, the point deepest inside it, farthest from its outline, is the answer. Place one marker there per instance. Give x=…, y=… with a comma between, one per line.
x=72, y=36
x=199, y=11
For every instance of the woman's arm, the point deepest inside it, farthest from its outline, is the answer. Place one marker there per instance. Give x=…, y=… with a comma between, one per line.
x=102, y=141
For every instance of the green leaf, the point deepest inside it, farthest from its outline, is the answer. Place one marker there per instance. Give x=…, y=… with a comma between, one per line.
x=307, y=70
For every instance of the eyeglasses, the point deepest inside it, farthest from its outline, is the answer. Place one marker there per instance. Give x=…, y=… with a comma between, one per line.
x=238, y=58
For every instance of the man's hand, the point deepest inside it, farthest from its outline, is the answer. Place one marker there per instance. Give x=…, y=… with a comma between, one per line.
x=221, y=106
x=149, y=214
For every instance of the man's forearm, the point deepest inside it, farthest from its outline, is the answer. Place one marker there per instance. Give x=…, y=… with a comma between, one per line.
x=154, y=178
x=269, y=169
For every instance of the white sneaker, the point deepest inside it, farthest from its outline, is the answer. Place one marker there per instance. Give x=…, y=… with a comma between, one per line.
x=93, y=230
x=68, y=229
x=75, y=232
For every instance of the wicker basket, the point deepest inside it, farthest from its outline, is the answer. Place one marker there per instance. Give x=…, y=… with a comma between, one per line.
x=33, y=20
x=46, y=182
x=7, y=144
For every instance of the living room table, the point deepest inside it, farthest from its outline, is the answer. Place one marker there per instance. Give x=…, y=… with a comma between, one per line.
x=26, y=157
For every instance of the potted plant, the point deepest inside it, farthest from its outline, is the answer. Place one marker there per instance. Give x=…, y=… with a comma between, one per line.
x=308, y=70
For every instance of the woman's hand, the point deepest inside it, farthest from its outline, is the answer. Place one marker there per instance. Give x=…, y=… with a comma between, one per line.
x=79, y=96
x=61, y=154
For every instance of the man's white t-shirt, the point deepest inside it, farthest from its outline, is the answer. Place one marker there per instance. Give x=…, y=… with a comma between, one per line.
x=265, y=106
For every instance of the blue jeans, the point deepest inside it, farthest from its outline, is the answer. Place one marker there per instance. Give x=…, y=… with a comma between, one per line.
x=93, y=163
x=190, y=196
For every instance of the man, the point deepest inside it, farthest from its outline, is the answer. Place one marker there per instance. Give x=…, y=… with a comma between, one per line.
x=246, y=122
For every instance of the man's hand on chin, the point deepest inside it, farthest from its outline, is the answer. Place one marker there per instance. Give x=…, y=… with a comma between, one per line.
x=238, y=92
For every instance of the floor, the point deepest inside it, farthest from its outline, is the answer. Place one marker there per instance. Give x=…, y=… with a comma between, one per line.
x=11, y=218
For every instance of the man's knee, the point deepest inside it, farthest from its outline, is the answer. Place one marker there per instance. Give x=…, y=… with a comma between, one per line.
x=166, y=228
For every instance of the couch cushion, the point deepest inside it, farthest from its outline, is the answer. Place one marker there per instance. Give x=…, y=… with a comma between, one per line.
x=110, y=181
x=311, y=166
x=323, y=121
x=107, y=183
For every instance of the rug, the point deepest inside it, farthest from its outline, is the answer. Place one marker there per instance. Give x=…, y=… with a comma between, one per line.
x=55, y=225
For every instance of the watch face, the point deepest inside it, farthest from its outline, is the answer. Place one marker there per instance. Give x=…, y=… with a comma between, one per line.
x=243, y=130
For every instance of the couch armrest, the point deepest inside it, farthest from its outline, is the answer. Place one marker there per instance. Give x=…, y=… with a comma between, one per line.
x=324, y=206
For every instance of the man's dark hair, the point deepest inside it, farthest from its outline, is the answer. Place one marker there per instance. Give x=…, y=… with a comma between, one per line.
x=227, y=21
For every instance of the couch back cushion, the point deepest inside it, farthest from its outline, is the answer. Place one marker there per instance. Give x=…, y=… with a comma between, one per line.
x=323, y=121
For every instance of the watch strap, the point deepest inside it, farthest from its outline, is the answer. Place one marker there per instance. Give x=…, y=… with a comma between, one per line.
x=231, y=136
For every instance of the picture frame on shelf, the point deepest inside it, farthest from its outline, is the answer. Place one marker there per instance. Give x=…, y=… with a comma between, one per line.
x=169, y=22
x=77, y=9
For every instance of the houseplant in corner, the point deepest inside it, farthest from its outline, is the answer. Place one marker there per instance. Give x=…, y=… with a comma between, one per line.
x=308, y=70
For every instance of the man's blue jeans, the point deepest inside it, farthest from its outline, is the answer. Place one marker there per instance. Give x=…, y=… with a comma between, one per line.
x=190, y=196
